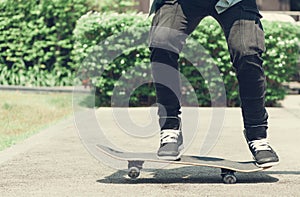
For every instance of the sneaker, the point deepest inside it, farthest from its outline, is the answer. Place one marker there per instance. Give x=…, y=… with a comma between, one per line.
x=171, y=144
x=262, y=152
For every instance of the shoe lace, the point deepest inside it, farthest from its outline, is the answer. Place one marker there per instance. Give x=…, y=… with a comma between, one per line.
x=259, y=145
x=169, y=136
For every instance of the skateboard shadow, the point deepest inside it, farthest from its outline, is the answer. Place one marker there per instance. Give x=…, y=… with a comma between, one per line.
x=190, y=175
x=287, y=172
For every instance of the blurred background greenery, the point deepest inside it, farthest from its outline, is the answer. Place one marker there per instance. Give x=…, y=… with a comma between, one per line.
x=44, y=43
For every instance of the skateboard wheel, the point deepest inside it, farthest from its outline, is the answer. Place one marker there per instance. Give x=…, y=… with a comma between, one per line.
x=134, y=172
x=229, y=179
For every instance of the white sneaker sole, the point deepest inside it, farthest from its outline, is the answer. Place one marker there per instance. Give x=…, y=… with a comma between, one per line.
x=267, y=165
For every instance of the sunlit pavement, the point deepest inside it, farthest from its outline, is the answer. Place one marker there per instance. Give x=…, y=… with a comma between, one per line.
x=56, y=163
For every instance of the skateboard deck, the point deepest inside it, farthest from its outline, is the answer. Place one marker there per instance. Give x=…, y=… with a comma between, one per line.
x=137, y=159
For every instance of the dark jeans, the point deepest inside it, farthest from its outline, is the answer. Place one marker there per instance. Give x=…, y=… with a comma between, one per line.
x=175, y=20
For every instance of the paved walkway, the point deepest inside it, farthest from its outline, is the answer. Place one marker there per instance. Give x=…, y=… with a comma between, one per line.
x=56, y=163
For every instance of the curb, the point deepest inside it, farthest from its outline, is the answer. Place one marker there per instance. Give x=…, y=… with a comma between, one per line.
x=65, y=89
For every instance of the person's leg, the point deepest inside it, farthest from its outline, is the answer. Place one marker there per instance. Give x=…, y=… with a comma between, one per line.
x=245, y=38
x=170, y=27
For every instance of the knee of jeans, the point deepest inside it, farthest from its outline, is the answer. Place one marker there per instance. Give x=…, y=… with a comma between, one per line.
x=251, y=77
x=163, y=56
x=250, y=65
x=167, y=39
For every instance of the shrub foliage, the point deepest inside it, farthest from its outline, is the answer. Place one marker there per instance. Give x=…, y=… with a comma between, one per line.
x=40, y=47
x=36, y=40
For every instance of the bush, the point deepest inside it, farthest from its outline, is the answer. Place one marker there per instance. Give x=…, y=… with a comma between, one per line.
x=36, y=40
x=131, y=51
x=119, y=6
x=104, y=63
x=281, y=57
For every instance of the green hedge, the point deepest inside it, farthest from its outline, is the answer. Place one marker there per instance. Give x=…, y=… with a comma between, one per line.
x=36, y=40
x=95, y=44
x=119, y=6
x=94, y=34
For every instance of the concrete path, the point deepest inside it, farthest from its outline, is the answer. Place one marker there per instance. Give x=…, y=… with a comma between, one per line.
x=56, y=163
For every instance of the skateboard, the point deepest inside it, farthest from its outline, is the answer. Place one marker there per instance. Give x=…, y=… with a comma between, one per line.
x=137, y=159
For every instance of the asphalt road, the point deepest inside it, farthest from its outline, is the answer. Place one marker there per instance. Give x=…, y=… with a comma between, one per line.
x=56, y=163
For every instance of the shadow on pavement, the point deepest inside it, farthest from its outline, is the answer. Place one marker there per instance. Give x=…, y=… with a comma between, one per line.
x=284, y=172
x=185, y=175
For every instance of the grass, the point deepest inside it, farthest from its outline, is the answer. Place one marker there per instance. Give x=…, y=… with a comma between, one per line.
x=24, y=114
